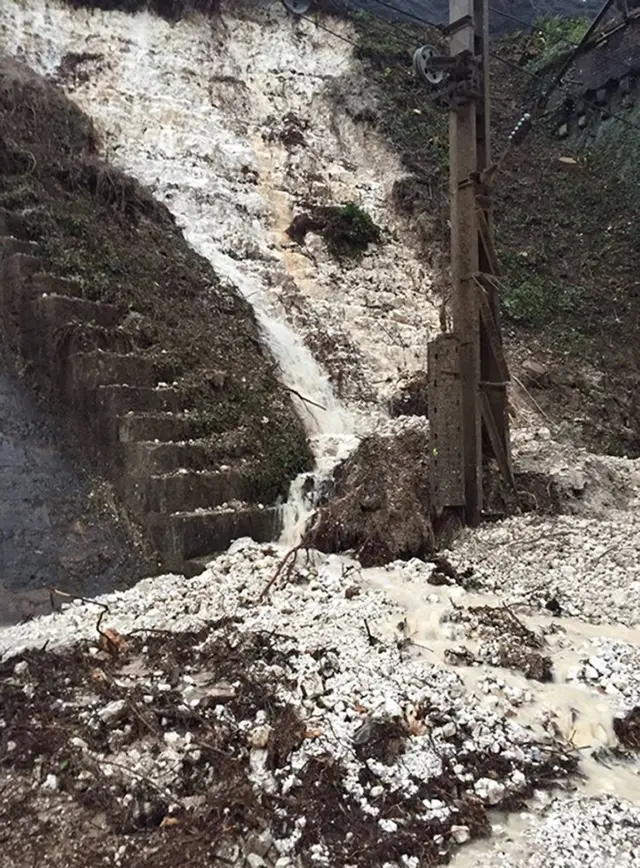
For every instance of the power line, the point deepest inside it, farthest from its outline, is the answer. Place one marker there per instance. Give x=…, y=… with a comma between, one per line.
x=496, y=56
x=416, y=18
x=556, y=84
x=588, y=102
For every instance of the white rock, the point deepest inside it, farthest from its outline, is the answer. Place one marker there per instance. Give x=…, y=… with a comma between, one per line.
x=259, y=736
x=50, y=783
x=113, y=712
x=599, y=665
x=460, y=834
x=489, y=790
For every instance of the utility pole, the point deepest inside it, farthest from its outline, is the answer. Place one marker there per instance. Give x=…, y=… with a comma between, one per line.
x=468, y=375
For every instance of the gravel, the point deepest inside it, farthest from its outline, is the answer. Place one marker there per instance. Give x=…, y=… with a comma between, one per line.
x=597, y=832
x=349, y=676
x=614, y=668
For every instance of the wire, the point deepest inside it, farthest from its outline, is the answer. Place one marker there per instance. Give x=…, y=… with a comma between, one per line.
x=416, y=18
x=556, y=84
x=588, y=102
x=328, y=30
x=534, y=75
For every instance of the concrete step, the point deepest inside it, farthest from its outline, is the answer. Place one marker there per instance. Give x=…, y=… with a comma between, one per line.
x=157, y=426
x=189, y=490
x=116, y=400
x=197, y=566
x=10, y=245
x=183, y=536
x=42, y=282
x=88, y=337
x=100, y=368
x=141, y=458
x=157, y=458
x=57, y=310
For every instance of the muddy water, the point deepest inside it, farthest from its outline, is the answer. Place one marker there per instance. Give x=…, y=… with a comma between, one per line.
x=583, y=715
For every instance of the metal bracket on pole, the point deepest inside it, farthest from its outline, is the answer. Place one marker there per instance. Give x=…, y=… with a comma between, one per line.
x=471, y=409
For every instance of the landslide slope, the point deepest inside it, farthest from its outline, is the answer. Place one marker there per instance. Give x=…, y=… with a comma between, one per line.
x=93, y=224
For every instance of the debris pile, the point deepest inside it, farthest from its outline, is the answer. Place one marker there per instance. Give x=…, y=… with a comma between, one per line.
x=202, y=721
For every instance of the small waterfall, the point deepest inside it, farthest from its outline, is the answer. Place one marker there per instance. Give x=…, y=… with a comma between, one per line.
x=163, y=126
x=307, y=489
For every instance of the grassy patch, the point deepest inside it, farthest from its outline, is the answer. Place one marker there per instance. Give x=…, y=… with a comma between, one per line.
x=347, y=229
x=350, y=230
x=413, y=122
x=99, y=227
x=554, y=37
x=534, y=300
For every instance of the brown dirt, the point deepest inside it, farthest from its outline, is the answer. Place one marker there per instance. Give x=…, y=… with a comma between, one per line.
x=380, y=506
x=74, y=792
x=100, y=227
x=506, y=642
x=172, y=10
x=412, y=397
x=627, y=729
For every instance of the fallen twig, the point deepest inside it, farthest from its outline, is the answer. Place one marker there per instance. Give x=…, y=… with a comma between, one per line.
x=105, y=609
x=302, y=398
x=283, y=563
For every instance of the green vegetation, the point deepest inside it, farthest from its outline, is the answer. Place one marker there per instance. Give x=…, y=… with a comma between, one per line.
x=533, y=299
x=349, y=231
x=554, y=37
x=413, y=122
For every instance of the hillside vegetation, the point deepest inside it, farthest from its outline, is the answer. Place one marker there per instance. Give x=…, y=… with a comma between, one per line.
x=564, y=226
x=98, y=226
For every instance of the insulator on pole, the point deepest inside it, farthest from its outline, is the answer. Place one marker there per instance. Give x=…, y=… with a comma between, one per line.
x=298, y=7
x=519, y=132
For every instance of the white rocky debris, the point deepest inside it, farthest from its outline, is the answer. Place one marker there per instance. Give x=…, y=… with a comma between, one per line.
x=194, y=111
x=573, y=833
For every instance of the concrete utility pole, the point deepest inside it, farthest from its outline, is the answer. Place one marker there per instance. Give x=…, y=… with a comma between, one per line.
x=468, y=374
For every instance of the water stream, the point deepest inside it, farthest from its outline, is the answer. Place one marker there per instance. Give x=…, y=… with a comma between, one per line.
x=582, y=714
x=192, y=150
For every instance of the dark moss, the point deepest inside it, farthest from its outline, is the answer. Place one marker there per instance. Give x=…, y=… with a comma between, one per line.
x=347, y=229
x=101, y=228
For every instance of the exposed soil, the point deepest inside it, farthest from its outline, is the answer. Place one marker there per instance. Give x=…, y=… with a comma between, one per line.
x=380, y=506
x=146, y=746
x=172, y=10
x=504, y=642
x=412, y=397
x=100, y=227
x=627, y=729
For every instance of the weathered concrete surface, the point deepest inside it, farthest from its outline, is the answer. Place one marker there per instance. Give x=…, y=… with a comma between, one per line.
x=55, y=526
